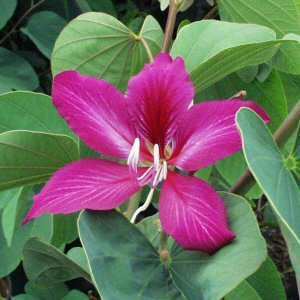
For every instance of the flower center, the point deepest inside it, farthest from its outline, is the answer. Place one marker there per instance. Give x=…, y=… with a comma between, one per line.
x=158, y=169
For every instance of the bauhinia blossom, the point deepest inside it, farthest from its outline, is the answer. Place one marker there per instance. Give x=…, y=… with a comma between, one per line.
x=161, y=134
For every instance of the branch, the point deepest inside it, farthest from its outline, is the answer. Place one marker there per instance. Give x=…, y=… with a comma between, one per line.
x=281, y=136
x=21, y=20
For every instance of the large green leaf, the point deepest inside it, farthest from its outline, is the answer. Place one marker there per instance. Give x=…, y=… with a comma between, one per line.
x=213, y=49
x=11, y=254
x=126, y=265
x=16, y=73
x=43, y=29
x=31, y=157
x=30, y=111
x=7, y=10
x=46, y=266
x=270, y=171
x=99, y=45
x=282, y=17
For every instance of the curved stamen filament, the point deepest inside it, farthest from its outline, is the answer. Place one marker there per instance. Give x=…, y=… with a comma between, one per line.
x=143, y=207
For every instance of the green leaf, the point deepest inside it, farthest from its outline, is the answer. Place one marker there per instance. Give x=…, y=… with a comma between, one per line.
x=105, y=6
x=221, y=48
x=125, y=264
x=11, y=254
x=77, y=254
x=24, y=297
x=10, y=214
x=75, y=295
x=30, y=111
x=16, y=73
x=47, y=266
x=65, y=229
x=7, y=10
x=283, y=19
x=43, y=29
x=267, y=165
x=243, y=291
x=55, y=292
x=99, y=45
x=31, y=157
x=267, y=282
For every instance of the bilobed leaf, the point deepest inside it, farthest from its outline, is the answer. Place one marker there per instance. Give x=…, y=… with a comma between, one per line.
x=7, y=10
x=98, y=44
x=11, y=254
x=43, y=29
x=214, y=49
x=16, y=73
x=268, y=167
x=32, y=157
x=126, y=265
x=30, y=111
x=45, y=265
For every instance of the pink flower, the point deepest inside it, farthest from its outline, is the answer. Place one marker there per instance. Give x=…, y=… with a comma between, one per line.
x=157, y=130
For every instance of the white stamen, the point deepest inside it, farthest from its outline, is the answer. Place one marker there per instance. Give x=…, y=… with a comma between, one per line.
x=144, y=179
x=143, y=207
x=164, y=170
x=157, y=177
x=134, y=155
x=156, y=157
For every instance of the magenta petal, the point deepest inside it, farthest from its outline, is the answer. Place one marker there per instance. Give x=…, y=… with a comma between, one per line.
x=96, y=111
x=158, y=96
x=87, y=184
x=208, y=133
x=194, y=214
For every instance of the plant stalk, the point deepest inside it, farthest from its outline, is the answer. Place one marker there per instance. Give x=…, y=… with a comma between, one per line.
x=170, y=26
x=163, y=250
x=281, y=136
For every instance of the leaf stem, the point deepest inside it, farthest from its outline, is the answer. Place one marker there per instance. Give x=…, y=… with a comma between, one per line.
x=170, y=26
x=163, y=250
x=281, y=136
x=133, y=204
x=148, y=50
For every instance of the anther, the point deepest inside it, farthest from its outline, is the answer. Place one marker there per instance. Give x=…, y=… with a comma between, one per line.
x=134, y=155
x=156, y=157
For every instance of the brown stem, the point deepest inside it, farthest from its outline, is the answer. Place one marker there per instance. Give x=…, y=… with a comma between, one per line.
x=21, y=20
x=211, y=14
x=173, y=10
x=4, y=288
x=281, y=136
